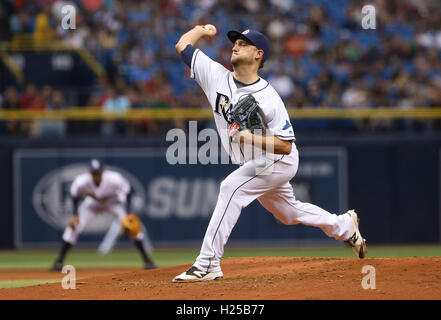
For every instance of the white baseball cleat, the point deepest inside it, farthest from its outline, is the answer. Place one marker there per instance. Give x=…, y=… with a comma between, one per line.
x=356, y=241
x=194, y=274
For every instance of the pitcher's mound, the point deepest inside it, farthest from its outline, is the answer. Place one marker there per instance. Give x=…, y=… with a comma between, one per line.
x=262, y=278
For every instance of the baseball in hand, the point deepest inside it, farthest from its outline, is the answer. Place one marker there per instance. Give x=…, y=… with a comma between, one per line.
x=212, y=31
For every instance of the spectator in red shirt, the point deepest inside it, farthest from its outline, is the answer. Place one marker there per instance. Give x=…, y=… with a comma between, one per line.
x=31, y=99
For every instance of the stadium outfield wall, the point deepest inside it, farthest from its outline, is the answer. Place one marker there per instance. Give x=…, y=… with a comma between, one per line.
x=392, y=180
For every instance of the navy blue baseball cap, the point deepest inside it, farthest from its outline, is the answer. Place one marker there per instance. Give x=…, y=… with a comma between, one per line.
x=96, y=165
x=256, y=38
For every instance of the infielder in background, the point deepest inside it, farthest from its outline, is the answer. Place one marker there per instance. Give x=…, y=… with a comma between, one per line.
x=269, y=184
x=104, y=191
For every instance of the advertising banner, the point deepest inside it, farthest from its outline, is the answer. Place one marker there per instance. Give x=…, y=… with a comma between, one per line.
x=175, y=202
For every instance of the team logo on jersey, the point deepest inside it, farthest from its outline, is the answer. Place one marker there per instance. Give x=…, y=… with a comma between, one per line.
x=52, y=202
x=222, y=105
x=287, y=125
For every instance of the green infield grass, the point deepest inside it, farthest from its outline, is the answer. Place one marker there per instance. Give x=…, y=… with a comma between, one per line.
x=120, y=258
x=24, y=283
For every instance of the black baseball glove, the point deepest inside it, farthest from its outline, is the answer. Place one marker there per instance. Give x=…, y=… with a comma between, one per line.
x=245, y=115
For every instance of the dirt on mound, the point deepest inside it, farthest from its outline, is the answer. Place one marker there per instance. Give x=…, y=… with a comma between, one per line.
x=262, y=278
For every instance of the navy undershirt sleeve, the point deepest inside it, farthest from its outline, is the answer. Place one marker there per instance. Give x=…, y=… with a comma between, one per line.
x=187, y=54
x=76, y=202
x=129, y=200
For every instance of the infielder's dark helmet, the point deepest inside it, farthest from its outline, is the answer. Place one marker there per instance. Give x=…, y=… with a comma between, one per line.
x=96, y=165
x=254, y=37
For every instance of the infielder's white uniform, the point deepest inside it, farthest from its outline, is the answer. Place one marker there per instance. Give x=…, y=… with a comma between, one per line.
x=109, y=197
x=269, y=183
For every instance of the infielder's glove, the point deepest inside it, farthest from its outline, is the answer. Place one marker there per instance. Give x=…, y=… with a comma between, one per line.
x=245, y=115
x=131, y=226
x=74, y=222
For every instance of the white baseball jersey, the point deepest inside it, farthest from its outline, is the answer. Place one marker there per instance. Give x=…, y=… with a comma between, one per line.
x=112, y=189
x=109, y=197
x=222, y=93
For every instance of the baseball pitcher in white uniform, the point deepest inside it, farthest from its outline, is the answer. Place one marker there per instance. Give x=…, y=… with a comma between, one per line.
x=268, y=183
x=104, y=191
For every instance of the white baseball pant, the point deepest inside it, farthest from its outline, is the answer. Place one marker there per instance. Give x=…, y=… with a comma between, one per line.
x=87, y=211
x=272, y=188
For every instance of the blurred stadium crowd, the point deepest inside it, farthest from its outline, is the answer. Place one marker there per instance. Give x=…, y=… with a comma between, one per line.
x=321, y=55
